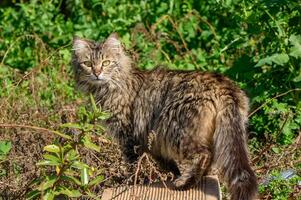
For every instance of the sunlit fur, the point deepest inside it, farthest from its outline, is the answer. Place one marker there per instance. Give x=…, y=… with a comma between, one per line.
x=190, y=122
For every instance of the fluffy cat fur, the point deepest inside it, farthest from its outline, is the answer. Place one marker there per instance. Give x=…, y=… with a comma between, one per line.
x=196, y=120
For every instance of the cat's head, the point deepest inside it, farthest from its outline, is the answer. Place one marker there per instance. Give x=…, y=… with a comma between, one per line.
x=100, y=62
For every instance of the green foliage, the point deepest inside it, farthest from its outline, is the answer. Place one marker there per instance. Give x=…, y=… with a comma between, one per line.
x=280, y=188
x=65, y=172
x=5, y=147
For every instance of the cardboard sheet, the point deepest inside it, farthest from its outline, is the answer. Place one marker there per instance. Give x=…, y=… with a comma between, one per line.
x=207, y=189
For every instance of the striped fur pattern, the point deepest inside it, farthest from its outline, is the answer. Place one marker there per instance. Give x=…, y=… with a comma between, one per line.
x=190, y=122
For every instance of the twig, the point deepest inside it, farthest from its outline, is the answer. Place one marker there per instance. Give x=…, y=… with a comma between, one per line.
x=158, y=173
x=297, y=143
x=195, y=12
x=138, y=168
x=228, y=45
x=275, y=166
x=2, y=125
x=144, y=155
x=275, y=97
x=153, y=28
x=137, y=172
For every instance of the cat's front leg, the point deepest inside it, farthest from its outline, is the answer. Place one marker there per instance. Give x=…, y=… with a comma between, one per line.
x=193, y=166
x=168, y=165
x=122, y=133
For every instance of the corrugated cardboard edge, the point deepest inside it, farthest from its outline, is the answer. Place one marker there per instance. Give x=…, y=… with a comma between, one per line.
x=107, y=193
x=209, y=185
x=219, y=188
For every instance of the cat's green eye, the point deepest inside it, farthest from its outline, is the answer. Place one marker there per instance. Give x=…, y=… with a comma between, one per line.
x=106, y=63
x=87, y=63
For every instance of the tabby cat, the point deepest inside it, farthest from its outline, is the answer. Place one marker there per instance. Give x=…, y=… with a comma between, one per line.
x=196, y=120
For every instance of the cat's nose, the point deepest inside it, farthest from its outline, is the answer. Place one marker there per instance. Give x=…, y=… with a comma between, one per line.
x=98, y=76
x=97, y=72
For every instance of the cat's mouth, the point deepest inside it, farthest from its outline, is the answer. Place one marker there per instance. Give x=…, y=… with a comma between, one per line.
x=99, y=77
x=95, y=80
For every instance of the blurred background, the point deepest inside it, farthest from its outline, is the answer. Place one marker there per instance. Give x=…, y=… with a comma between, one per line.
x=257, y=43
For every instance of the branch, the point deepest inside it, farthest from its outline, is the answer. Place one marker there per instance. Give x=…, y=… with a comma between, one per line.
x=2, y=125
x=275, y=97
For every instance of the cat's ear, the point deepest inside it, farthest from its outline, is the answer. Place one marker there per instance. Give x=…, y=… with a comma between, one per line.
x=113, y=43
x=81, y=47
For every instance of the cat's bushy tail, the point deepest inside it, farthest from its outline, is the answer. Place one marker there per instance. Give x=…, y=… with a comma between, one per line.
x=231, y=154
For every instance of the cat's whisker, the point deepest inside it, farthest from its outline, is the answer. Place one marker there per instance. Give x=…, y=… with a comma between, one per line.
x=75, y=49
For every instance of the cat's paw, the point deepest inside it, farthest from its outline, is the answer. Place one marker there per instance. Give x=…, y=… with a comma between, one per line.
x=131, y=154
x=130, y=158
x=183, y=182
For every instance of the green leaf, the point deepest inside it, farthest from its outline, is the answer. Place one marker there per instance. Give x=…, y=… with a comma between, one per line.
x=65, y=53
x=88, y=127
x=52, y=158
x=93, y=103
x=276, y=150
x=48, y=183
x=71, y=125
x=66, y=147
x=84, y=176
x=71, y=155
x=279, y=59
x=96, y=180
x=295, y=50
x=72, y=179
x=79, y=165
x=70, y=172
x=69, y=192
x=62, y=135
x=297, y=78
x=5, y=147
x=91, y=195
x=2, y=172
x=103, y=116
x=89, y=144
x=48, y=163
x=3, y=157
x=52, y=148
x=49, y=195
x=32, y=194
